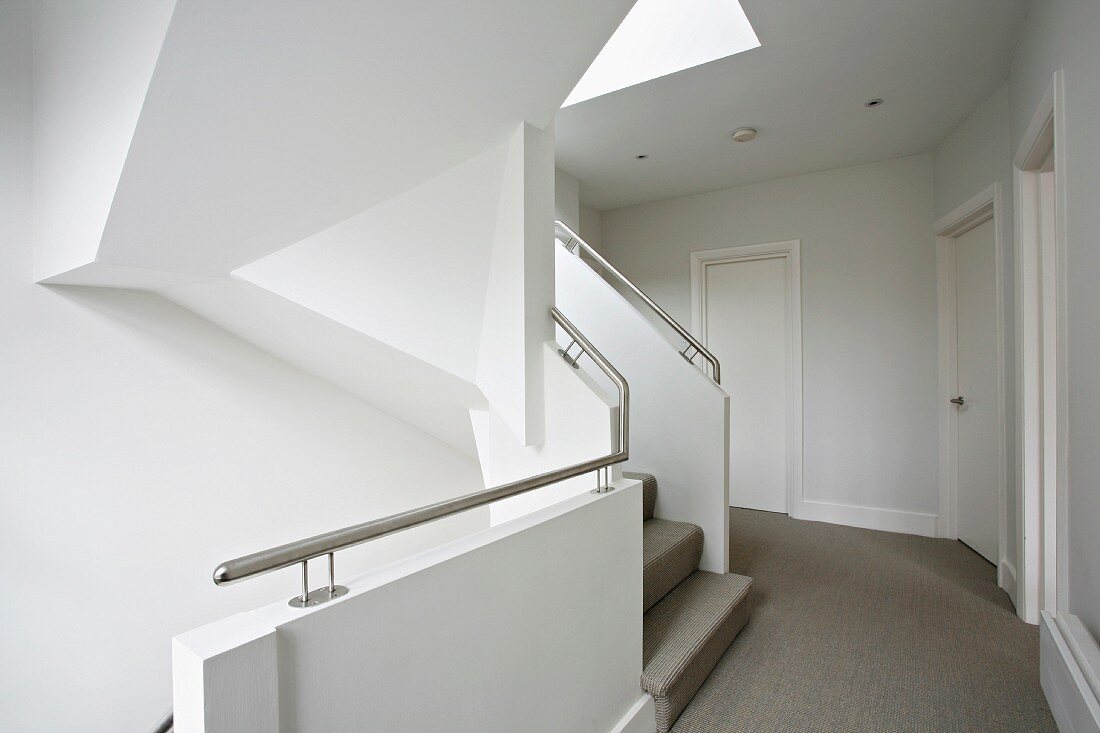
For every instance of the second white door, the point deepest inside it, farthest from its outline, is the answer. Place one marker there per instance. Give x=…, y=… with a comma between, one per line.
x=978, y=454
x=746, y=319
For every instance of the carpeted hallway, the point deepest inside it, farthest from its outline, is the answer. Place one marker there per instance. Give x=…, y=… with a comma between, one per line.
x=868, y=632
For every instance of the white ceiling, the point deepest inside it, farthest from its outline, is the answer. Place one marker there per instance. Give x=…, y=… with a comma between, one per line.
x=933, y=61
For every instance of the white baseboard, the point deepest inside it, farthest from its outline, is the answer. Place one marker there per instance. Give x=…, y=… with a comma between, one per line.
x=641, y=718
x=1069, y=665
x=889, y=520
x=1006, y=579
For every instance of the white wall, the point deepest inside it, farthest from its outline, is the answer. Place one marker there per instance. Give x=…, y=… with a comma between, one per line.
x=971, y=158
x=1062, y=34
x=139, y=447
x=974, y=155
x=534, y=625
x=567, y=201
x=679, y=418
x=591, y=229
x=580, y=217
x=580, y=417
x=868, y=322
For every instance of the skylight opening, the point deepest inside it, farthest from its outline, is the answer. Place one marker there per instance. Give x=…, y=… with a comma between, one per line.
x=661, y=37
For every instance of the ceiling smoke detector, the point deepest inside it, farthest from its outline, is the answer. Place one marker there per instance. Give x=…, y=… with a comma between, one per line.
x=744, y=134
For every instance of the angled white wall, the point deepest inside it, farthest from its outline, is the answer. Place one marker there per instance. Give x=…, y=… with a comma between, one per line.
x=456, y=272
x=411, y=272
x=211, y=140
x=258, y=148
x=410, y=389
x=93, y=63
x=679, y=418
x=520, y=289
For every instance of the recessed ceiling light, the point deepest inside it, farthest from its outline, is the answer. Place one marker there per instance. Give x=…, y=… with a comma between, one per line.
x=876, y=102
x=744, y=134
x=643, y=156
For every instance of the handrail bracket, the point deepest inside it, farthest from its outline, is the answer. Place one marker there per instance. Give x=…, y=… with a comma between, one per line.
x=310, y=598
x=574, y=244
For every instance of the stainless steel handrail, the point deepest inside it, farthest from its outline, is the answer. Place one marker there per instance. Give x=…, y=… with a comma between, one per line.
x=302, y=551
x=572, y=240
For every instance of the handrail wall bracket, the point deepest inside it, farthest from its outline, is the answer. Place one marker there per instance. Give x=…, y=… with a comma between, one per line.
x=574, y=244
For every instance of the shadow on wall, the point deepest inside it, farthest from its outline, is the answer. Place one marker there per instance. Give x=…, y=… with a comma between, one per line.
x=193, y=345
x=145, y=445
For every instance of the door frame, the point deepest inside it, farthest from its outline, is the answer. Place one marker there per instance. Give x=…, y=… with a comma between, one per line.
x=1041, y=387
x=791, y=251
x=983, y=207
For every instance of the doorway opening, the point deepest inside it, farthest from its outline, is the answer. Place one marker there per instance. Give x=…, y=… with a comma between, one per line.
x=1041, y=364
x=747, y=310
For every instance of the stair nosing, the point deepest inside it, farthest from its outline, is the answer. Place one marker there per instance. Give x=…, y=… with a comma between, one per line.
x=681, y=665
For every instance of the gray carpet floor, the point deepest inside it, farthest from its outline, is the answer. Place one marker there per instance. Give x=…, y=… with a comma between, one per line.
x=854, y=630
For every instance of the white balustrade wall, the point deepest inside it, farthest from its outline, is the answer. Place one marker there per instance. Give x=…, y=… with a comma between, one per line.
x=531, y=625
x=679, y=418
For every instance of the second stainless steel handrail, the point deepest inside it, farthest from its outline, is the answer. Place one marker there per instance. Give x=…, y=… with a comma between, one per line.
x=573, y=240
x=302, y=551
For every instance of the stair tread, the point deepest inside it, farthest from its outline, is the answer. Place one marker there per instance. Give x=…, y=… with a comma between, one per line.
x=649, y=491
x=670, y=553
x=685, y=635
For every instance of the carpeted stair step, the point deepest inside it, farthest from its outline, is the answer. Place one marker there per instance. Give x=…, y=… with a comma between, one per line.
x=685, y=635
x=670, y=553
x=649, y=491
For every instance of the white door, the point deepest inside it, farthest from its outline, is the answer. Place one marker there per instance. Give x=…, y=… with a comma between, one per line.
x=746, y=328
x=978, y=453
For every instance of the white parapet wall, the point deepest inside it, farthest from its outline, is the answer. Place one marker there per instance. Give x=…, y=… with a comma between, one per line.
x=533, y=625
x=679, y=418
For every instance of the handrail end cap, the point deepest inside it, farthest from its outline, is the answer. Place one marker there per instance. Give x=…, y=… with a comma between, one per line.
x=222, y=575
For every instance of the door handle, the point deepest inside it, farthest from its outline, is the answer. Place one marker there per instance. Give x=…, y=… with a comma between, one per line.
x=958, y=401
